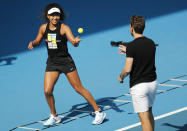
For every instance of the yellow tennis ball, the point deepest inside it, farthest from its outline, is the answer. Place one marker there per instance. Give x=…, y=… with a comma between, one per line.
x=80, y=30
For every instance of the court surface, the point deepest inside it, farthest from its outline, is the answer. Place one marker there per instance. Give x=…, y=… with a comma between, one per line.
x=23, y=105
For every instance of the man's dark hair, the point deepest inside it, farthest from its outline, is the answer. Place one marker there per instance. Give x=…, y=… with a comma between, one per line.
x=52, y=5
x=138, y=23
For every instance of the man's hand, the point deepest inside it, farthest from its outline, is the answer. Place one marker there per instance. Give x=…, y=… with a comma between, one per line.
x=122, y=49
x=120, y=78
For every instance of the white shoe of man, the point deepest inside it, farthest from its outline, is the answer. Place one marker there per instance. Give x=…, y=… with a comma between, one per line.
x=99, y=117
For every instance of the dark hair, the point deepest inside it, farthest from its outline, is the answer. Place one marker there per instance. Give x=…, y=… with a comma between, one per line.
x=138, y=23
x=48, y=7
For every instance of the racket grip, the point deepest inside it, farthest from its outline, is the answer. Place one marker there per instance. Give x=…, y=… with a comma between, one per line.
x=116, y=44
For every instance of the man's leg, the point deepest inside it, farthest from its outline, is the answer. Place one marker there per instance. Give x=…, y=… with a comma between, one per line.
x=147, y=120
x=143, y=95
x=151, y=117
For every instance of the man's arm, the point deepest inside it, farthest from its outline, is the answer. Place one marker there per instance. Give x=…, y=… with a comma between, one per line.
x=126, y=70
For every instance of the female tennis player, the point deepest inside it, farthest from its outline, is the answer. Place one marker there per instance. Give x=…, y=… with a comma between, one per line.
x=56, y=35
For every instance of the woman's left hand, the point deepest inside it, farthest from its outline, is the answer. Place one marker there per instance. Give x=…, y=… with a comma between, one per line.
x=77, y=39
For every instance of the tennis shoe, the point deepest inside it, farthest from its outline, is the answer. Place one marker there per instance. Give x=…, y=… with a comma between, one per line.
x=52, y=120
x=99, y=117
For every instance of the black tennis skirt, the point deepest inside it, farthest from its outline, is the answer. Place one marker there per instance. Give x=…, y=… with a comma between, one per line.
x=61, y=64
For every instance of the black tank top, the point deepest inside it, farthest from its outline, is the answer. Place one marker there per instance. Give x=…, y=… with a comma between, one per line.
x=55, y=42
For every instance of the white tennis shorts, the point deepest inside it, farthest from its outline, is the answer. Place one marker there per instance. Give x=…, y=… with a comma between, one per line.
x=143, y=95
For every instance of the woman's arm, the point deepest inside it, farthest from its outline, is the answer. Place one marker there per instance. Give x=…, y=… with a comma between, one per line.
x=66, y=30
x=39, y=37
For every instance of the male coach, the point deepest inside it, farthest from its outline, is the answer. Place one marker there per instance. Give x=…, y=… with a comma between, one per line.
x=140, y=64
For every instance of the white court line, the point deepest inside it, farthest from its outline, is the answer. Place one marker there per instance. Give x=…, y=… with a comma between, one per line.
x=23, y=127
x=68, y=117
x=156, y=118
x=81, y=111
x=158, y=91
x=169, y=85
x=123, y=101
x=127, y=94
x=178, y=80
x=41, y=122
x=106, y=106
x=61, y=117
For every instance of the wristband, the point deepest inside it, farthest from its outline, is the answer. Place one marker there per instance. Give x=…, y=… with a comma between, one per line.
x=121, y=76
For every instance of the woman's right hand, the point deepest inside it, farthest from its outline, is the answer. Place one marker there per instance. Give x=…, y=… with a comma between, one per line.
x=30, y=46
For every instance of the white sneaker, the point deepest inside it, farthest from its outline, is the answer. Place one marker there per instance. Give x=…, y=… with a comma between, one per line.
x=52, y=120
x=99, y=117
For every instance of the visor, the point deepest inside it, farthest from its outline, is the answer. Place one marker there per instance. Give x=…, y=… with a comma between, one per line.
x=53, y=10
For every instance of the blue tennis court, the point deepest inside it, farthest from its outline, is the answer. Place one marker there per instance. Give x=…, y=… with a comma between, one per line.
x=171, y=121
x=23, y=105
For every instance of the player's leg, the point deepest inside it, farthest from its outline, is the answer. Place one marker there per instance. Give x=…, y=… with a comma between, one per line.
x=151, y=117
x=151, y=95
x=145, y=121
x=74, y=80
x=49, y=82
x=141, y=104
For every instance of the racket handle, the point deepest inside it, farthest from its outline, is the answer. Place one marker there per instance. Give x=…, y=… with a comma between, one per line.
x=116, y=44
x=156, y=44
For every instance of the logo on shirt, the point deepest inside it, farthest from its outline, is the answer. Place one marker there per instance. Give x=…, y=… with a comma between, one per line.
x=51, y=40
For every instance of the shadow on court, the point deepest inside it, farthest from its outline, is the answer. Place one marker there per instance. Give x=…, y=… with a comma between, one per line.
x=7, y=61
x=82, y=110
x=101, y=102
x=86, y=109
x=93, y=16
x=179, y=128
